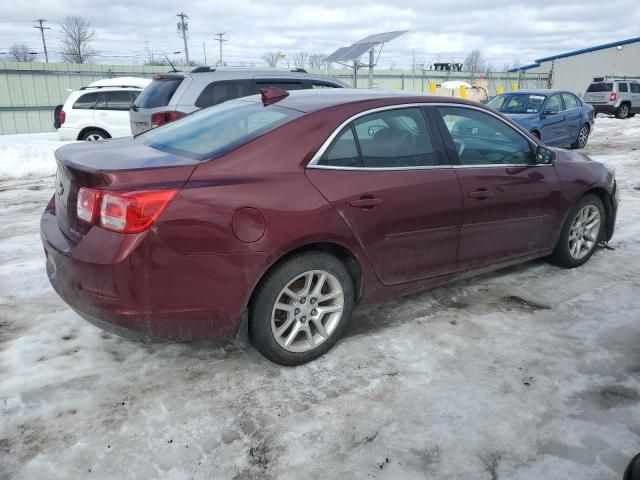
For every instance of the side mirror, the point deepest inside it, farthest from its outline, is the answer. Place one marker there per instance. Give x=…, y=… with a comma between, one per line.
x=545, y=155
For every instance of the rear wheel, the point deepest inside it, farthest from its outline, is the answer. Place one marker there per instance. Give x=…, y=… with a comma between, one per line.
x=94, y=135
x=301, y=308
x=623, y=111
x=580, y=233
x=583, y=137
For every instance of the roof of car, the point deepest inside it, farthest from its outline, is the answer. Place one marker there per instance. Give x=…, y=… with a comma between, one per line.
x=248, y=73
x=312, y=100
x=538, y=91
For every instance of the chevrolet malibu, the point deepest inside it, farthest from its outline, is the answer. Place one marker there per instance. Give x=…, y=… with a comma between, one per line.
x=275, y=215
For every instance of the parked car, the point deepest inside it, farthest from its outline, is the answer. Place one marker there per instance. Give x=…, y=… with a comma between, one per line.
x=173, y=95
x=554, y=116
x=99, y=111
x=281, y=213
x=614, y=97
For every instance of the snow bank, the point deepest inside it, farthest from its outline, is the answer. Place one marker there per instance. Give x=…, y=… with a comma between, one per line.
x=27, y=155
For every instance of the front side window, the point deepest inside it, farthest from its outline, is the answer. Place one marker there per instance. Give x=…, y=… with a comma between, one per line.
x=218, y=92
x=622, y=87
x=554, y=104
x=86, y=101
x=569, y=101
x=210, y=132
x=323, y=85
x=482, y=139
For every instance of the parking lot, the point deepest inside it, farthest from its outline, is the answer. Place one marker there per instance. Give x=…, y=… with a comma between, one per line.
x=531, y=373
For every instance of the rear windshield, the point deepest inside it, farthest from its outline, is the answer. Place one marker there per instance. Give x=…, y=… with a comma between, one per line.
x=215, y=130
x=158, y=93
x=600, y=87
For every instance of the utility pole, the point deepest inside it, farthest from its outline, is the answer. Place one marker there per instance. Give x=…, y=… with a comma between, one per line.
x=204, y=49
x=44, y=43
x=220, y=40
x=183, y=26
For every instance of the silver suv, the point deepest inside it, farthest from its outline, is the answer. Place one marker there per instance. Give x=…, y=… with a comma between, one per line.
x=619, y=97
x=173, y=95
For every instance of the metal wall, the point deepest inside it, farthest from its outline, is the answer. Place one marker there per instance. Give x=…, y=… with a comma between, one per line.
x=576, y=72
x=30, y=91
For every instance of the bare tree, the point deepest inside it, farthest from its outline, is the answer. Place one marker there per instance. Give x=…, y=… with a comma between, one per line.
x=20, y=53
x=152, y=57
x=300, y=59
x=271, y=58
x=76, y=43
x=316, y=60
x=475, y=62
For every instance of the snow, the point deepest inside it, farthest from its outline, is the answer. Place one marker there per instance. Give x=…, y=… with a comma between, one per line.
x=532, y=372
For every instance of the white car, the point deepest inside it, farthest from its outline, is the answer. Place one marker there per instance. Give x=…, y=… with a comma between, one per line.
x=100, y=110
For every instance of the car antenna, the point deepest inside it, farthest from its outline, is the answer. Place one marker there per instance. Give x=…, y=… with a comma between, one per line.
x=174, y=68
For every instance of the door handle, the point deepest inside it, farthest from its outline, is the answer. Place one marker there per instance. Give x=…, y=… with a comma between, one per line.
x=366, y=203
x=481, y=194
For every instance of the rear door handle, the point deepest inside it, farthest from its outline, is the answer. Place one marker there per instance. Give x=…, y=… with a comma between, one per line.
x=366, y=203
x=481, y=194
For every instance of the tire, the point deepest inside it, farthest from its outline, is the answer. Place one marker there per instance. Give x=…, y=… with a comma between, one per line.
x=565, y=254
x=583, y=137
x=94, y=135
x=623, y=111
x=632, y=472
x=631, y=115
x=293, y=273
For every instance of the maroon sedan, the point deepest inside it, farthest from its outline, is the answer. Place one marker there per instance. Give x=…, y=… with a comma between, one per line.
x=280, y=213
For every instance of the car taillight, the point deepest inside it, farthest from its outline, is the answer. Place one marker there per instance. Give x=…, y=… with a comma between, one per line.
x=129, y=212
x=160, y=118
x=62, y=117
x=88, y=204
x=133, y=212
x=613, y=97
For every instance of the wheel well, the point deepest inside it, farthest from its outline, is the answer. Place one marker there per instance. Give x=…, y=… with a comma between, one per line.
x=537, y=133
x=341, y=253
x=87, y=129
x=602, y=194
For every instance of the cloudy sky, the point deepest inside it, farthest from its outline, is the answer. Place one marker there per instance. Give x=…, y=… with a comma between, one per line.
x=505, y=31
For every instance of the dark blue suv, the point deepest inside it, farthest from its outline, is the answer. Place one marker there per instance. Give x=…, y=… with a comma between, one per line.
x=556, y=117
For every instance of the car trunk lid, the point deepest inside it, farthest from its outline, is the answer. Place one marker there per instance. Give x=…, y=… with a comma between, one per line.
x=114, y=165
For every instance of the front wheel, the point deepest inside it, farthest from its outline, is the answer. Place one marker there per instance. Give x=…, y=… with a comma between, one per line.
x=580, y=233
x=583, y=137
x=301, y=308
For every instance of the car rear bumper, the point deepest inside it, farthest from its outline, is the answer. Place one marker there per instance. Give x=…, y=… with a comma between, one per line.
x=141, y=289
x=68, y=133
x=604, y=108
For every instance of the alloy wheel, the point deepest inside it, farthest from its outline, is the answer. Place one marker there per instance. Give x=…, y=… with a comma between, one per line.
x=94, y=137
x=584, y=231
x=307, y=311
x=583, y=136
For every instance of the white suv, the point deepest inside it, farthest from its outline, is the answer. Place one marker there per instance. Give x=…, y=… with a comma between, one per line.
x=100, y=110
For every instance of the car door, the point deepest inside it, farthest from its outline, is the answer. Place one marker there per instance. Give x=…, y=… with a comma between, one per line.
x=82, y=112
x=554, y=130
x=388, y=177
x=509, y=202
x=574, y=116
x=112, y=112
x=634, y=88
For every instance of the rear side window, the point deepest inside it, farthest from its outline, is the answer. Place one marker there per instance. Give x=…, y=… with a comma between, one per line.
x=210, y=132
x=343, y=152
x=284, y=85
x=569, y=101
x=158, y=93
x=600, y=87
x=86, y=101
x=117, y=100
x=635, y=87
x=622, y=87
x=218, y=92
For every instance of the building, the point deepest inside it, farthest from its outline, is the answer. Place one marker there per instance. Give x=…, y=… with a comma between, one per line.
x=575, y=70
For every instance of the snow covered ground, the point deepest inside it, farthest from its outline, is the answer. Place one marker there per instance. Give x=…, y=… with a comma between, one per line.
x=529, y=373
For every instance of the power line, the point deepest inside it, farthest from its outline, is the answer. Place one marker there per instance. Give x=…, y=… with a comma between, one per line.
x=183, y=26
x=44, y=43
x=221, y=40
